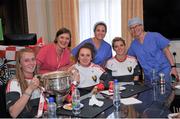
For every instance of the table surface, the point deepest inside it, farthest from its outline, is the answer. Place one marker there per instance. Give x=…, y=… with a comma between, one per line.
x=124, y=111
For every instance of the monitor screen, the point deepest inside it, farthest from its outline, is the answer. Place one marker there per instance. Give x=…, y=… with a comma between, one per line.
x=162, y=16
x=20, y=39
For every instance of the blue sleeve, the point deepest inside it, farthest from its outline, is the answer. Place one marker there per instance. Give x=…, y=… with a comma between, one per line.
x=162, y=42
x=104, y=54
x=130, y=52
x=109, y=54
x=75, y=50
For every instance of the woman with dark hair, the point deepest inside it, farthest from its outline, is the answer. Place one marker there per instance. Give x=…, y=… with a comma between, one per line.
x=103, y=49
x=22, y=93
x=91, y=75
x=55, y=56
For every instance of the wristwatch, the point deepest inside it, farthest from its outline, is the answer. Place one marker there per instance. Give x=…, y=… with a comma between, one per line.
x=172, y=66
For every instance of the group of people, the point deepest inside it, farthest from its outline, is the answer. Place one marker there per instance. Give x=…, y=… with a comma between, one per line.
x=95, y=63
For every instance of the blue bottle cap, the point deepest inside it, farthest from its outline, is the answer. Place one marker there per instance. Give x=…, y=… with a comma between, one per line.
x=115, y=81
x=51, y=99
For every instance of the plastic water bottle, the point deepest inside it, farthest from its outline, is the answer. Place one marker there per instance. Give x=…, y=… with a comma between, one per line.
x=116, y=96
x=162, y=84
x=154, y=79
x=76, y=102
x=52, y=108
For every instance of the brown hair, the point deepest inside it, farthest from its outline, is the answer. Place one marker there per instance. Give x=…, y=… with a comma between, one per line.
x=118, y=39
x=19, y=73
x=61, y=31
x=101, y=24
x=88, y=46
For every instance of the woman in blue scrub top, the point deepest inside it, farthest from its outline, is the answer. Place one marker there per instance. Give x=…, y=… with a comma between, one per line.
x=103, y=49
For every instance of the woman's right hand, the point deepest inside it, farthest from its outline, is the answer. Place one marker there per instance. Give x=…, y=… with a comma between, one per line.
x=34, y=84
x=74, y=74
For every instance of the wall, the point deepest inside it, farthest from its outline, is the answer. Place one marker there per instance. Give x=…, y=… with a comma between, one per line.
x=175, y=47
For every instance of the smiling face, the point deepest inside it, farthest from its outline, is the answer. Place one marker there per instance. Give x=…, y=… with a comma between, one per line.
x=136, y=30
x=119, y=47
x=28, y=63
x=63, y=40
x=100, y=32
x=85, y=57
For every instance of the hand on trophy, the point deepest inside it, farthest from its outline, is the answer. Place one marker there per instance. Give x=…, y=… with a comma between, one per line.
x=74, y=75
x=95, y=90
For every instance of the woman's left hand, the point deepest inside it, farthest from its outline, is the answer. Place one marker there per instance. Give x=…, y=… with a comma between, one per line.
x=34, y=83
x=95, y=90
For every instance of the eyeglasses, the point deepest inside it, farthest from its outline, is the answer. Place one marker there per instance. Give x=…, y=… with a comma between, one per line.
x=134, y=27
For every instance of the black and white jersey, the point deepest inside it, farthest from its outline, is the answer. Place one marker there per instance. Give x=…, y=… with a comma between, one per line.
x=122, y=70
x=13, y=93
x=89, y=76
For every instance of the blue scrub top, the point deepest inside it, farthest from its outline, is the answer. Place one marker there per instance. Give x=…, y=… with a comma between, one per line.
x=151, y=56
x=150, y=53
x=102, y=54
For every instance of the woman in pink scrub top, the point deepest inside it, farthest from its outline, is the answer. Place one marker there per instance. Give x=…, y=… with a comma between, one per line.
x=55, y=56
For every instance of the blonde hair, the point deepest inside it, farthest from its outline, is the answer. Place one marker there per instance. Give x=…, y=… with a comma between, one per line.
x=19, y=73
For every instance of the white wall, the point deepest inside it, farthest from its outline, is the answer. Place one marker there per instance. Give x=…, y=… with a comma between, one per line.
x=175, y=47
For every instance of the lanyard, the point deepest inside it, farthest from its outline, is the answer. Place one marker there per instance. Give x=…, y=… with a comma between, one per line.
x=59, y=60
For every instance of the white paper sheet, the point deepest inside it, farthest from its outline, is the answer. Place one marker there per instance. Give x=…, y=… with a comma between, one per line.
x=126, y=83
x=130, y=101
x=177, y=86
x=106, y=92
x=173, y=115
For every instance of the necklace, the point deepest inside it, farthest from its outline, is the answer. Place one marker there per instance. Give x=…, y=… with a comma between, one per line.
x=59, y=57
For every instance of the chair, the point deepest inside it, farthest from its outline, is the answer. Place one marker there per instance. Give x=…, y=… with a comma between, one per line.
x=175, y=105
x=20, y=39
x=4, y=76
x=6, y=71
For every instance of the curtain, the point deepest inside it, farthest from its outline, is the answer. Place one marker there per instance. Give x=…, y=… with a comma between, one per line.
x=130, y=9
x=47, y=16
x=37, y=18
x=64, y=13
x=92, y=11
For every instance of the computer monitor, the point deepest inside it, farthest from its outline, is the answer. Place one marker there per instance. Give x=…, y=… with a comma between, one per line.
x=20, y=39
x=162, y=16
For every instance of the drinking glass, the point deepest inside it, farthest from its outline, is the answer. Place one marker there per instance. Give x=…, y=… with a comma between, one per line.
x=154, y=83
